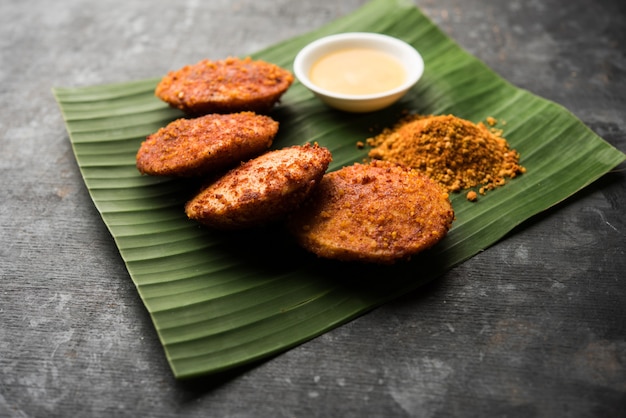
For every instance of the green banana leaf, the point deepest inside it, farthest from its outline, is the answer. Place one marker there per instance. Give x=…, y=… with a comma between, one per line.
x=220, y=300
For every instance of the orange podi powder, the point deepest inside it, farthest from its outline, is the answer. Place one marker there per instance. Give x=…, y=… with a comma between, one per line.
x=455, y=152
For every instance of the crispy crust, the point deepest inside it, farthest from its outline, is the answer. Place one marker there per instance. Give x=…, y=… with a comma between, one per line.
x=208, y=144
x=225, y=86
x=378, y=213
x=261, y=190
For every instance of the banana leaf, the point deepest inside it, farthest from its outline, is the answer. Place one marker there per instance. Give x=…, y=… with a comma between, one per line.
x=221, y=300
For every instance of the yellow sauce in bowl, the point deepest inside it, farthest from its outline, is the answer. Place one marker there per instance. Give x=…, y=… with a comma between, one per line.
x=358, y=71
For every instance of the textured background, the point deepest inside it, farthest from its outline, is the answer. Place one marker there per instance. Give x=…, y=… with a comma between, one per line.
x=534, y=326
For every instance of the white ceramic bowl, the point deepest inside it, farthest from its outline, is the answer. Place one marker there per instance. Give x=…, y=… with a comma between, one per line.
x=410, y=59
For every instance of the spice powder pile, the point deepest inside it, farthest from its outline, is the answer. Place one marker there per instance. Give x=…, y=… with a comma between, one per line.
x=455, y=152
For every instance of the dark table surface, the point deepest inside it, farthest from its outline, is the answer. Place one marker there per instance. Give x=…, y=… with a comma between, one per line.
x=534, y=326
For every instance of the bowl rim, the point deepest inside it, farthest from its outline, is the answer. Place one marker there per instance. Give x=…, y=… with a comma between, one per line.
x=413, y=74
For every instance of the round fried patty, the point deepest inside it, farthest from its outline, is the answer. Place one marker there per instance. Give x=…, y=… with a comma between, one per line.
x=378, y=212
x=261, y=190
x=207, y=144
x=229, y=85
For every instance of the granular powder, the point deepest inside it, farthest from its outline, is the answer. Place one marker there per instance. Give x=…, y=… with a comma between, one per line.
x=455, y=152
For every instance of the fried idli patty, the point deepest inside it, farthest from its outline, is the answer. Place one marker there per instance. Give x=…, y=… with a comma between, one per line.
x=378, y=212
x=207, y=144
x=261, y=190
x=225, y=86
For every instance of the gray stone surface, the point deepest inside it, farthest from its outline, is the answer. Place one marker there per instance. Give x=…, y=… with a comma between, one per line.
x=534, y=326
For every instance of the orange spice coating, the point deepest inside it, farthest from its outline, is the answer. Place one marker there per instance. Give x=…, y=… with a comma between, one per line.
x=455, y=152
x=378, y=213
x=229, y=85
x=207, y=144
x=261, y=190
